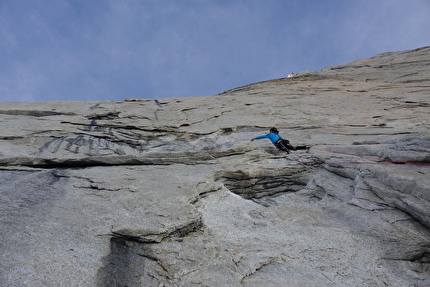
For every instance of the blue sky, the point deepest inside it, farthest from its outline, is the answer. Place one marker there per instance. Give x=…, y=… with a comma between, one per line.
x=112, y=49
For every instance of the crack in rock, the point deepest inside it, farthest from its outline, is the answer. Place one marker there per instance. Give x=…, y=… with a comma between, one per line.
x=148, y=236
x=258, y=268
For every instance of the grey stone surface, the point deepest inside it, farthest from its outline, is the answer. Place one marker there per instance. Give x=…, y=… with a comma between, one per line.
x=171, y=192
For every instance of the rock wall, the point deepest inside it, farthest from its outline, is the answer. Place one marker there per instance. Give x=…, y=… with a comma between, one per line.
x=171, y=192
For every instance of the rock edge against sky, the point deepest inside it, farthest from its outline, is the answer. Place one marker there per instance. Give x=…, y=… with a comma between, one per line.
x=171, y=192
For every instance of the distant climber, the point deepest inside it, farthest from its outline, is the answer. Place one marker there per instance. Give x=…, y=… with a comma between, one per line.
x=280, y=143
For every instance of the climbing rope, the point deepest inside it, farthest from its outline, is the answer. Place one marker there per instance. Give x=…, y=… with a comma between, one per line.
x=378, y=160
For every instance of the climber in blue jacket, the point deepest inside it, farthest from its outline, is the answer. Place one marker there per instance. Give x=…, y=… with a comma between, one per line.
x=279, y=142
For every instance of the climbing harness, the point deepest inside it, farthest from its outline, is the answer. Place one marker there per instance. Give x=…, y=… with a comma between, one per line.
x=282, y=144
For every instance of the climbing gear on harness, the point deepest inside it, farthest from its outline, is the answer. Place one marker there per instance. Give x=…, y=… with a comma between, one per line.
x=284, y=145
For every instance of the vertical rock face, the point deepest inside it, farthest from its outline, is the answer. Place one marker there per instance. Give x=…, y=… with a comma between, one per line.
x=171, y=192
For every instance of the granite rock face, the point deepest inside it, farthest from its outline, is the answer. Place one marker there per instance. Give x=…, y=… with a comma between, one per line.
x=171, y=192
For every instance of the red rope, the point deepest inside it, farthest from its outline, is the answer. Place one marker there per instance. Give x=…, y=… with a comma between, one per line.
x=380, y=160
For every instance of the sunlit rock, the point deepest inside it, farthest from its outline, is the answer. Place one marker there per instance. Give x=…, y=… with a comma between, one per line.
x=172, y=192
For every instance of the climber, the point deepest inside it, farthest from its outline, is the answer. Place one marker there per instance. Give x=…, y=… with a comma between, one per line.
x=280, y=143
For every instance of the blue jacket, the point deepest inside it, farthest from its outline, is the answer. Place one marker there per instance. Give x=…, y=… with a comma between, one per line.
x=272, y=136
